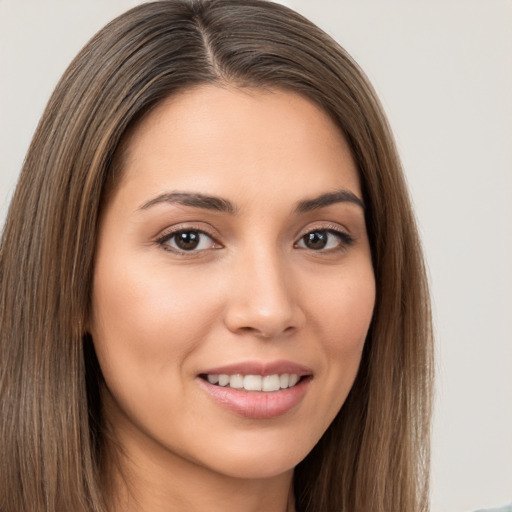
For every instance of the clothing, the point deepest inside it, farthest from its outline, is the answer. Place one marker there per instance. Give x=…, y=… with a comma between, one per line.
x=506, y=508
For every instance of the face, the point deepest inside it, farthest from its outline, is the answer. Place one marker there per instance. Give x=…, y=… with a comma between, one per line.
x=233, y=285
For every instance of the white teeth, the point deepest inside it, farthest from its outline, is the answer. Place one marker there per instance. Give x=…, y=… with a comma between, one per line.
x=236, y=381
x=255, y=382
x=213, y=379
x=252, y=382
x=271, y=383
x=223, y=380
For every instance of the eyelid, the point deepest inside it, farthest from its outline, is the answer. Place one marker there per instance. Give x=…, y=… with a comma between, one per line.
x=323, y=226
x=168, y=233
x=346, y=238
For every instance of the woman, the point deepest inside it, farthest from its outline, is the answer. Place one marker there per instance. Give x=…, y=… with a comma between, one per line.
x=213, y=295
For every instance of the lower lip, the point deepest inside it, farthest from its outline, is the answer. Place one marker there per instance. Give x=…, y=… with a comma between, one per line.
x=257, y=404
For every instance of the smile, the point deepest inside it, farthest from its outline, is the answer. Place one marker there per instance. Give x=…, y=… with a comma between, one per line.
x=267, y=383
x=257, y=390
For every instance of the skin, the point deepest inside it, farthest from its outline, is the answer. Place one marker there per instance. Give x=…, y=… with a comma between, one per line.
x=253, y=290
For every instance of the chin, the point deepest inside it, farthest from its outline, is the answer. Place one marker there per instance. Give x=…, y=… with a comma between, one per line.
x=259, y=460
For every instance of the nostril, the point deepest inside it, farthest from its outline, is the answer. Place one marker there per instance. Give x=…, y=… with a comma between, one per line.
x=267, y=333
x=257, y=332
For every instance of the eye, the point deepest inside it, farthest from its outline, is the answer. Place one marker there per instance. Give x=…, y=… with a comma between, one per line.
x=188, y=240
x=324, y=240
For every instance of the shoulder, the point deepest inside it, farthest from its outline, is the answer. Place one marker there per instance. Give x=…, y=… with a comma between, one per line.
x=506, y=508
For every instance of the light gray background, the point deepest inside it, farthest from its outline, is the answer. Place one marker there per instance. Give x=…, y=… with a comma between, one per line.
x=443, y=69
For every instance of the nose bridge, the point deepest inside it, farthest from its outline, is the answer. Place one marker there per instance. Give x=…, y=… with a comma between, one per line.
x=263, y=299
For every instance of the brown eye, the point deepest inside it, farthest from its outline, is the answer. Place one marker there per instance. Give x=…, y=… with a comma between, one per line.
x=188, y=240
x=325, y=240
x=316, y=240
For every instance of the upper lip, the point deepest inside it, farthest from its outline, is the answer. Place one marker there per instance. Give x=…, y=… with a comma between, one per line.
x=262, y=368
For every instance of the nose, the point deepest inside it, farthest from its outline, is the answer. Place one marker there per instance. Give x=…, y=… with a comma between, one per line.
x=264, y=300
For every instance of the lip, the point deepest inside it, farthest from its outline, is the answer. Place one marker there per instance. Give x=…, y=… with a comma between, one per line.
x=258, y=404
x=260, y=368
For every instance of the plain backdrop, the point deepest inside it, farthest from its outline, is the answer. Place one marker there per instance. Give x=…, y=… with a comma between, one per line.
x=443, y=70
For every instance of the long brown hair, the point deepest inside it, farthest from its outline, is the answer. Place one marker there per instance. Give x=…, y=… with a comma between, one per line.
x=374, y=456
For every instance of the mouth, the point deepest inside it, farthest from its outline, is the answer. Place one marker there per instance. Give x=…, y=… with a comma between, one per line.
x=266, y=383
x=258, y=390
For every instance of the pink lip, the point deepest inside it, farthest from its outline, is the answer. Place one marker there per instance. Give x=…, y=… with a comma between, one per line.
x=260, y=368
x=258, y=404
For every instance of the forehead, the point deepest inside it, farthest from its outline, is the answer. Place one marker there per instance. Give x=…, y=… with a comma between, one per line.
x=209, y=137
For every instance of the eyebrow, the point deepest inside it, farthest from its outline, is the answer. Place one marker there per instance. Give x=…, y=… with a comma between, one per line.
x=324, y=200
x=193, y=199
x=219, y=204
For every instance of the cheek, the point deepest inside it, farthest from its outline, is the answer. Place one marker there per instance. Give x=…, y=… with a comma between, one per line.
x=344, y=311
x=342, y=317
x=144, y=317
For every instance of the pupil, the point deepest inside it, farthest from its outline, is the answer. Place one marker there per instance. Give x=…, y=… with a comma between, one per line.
x=187, y=240
x=317, y=240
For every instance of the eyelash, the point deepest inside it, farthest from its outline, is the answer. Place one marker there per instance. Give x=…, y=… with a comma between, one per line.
x=345, y=240
x=168, y=236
